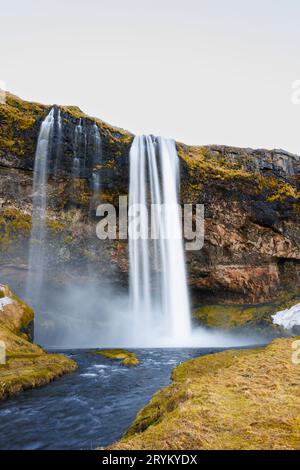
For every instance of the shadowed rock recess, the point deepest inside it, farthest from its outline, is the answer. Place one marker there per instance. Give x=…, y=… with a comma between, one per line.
x=251, y=255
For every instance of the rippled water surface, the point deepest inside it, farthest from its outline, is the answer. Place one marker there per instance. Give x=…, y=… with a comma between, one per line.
x=90, y=407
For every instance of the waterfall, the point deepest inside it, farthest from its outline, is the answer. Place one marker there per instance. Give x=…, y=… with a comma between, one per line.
x=97, y=159
x=158, y=286
x=79, y=145
x=39, y=205
x=59, y=142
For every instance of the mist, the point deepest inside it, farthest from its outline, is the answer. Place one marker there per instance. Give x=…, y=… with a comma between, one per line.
x=94, y=314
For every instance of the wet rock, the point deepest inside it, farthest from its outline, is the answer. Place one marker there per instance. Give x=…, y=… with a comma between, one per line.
x=251, y=252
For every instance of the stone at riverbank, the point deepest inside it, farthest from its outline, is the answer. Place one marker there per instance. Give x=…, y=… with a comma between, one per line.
x=26, y=365
x=127, y=358
x=237, y=399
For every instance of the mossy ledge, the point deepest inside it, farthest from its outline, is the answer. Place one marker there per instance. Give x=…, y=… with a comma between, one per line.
x=27, y=365
x=127, y=358
x=252, y=317
x=236, y=399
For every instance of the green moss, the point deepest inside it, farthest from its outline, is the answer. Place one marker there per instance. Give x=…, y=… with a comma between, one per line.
x=229, y=316
x=30, y=371
x=81, y=194
x=28, y=313
x=237, y=316
x=281, y=191
x=114, y=134
x=68, y=240
x=55, y=225
x=223, y=316
x=130, y=361
x=127, y=358
x=18, y=119
x=205, y=166
x=14, y=225
x=27, y=364
x=239, y=399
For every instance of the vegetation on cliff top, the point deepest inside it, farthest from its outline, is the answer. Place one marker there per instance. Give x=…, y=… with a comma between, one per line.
x=20, y=121
x=27, y=365
x=206, y=165
x=237, y=399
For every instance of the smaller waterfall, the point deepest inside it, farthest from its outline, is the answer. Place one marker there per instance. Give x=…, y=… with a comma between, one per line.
x=97, y=159
x=158, y=285
x=79, y=148
x=39, y=205
x=59, y=139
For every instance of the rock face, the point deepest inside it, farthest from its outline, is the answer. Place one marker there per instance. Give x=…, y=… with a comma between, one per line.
x=251, y=252
x=23, y=364
x=251, y=221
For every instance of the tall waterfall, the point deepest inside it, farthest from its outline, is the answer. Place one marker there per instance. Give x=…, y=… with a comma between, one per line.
x=39, y=205
x=158, y=286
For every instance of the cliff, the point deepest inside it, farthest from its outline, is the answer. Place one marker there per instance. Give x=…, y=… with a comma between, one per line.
x=251, y=253
x=23, y=364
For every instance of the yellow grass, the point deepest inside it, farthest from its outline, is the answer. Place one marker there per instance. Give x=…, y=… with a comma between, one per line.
x=246, y=399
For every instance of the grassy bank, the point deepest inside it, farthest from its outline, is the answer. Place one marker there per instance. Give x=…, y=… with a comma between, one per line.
x=26, y=364
x=238, y=399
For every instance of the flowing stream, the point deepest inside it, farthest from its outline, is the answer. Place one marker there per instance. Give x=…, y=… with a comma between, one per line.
x=91, y=407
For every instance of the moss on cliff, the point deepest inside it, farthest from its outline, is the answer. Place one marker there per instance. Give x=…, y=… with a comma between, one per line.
x=14, y=225
x=227, y=316
x=27, y=365
x=238, y=399
x=206, y=165
x=55, y=225
x=254, y=317
x=18, y=119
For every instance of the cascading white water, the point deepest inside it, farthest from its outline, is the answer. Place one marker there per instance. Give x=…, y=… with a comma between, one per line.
x=39, y=205
x=78, y=146
x=158, y=285
x=59, y=142
x=97, y=157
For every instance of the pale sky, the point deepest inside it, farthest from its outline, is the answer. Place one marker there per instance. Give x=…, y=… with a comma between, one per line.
x=199, y=71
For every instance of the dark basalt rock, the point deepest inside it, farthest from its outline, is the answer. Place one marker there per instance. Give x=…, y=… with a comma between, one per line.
x=252, y=230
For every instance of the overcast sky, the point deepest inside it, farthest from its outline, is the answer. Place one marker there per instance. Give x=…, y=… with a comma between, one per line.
x=200, y=71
